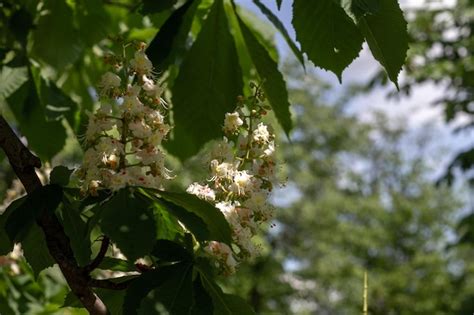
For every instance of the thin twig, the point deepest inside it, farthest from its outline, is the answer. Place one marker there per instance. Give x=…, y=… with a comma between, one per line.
x=100, y=255
x=108, y=284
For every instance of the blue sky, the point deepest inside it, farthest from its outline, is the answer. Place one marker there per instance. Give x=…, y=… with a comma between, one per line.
x=416, y=111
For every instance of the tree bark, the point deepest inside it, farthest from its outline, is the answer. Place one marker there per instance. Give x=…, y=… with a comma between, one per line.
x=24, y=163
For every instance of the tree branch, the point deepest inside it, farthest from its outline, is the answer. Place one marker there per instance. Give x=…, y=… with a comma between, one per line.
x=108, y=284
x=100, y=255
x=24, y=163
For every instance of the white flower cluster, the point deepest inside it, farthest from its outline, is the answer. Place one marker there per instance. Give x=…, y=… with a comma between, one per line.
x=242, y=171
x=123, y=136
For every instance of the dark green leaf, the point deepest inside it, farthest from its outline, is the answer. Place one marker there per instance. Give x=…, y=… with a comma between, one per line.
x=55, y=40
x=273, y=83
x=171, y=37
x=77, y=231
x=129, y=223
x=169, y=251
x=27, y=108
x=280, y=27
x=214, y=219
x=93, y=21
x=60, y=175
x=327, y=34
x=21, y=220
x=11, y=79
x=115, y=264
x=279, y=4
x=202, y=300
x=207, y=86
x=385, y=30
x=169, y=285
x=364, y=7
x=6, y=245
x=35, y=250
x=224, y=304
x=155, y=6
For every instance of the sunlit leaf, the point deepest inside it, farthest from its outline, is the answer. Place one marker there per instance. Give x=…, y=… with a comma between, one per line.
x=327, y=34
x=207, y=86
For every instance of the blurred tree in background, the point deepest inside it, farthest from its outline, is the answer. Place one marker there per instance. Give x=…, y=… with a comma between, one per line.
x=358, y=199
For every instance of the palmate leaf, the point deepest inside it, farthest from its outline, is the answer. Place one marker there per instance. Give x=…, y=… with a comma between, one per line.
x=213, y=218
x=77, y=231
x=23, y=217
x=36, y=251
x=171, y=286
x=223, y=304
x=327, y=34
x=273, y=83
x=281, y=28
x=55, y=39
x=153, y=6
x=30, y=115
x=385, y=30
x=11, y=79
x=6, y=245
x=129, y=222
x=167, y=44
x=206, y=87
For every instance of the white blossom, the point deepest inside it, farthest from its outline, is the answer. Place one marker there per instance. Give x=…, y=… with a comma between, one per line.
x=202, y=191
x=232, y=122
x=141, y=64
x=261, y=134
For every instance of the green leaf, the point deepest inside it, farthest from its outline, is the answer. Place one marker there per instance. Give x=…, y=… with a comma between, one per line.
x=167, y=226
x=189, y=219
x=36, y=251
x=21, y=220
x=202, y=300
x=55, y=40
x=113, y=299
x=60, y=175
x=327, y=34
x=385, y=30
x=224, y=304
x=273, y=83
x=129, y=223
x=207, y=86
x=6, y=245
x=280, y=27
x=169, y=285
x=169, y=251
x=363, y=7
x=214, y=219
x=279, y=4
x=29, y=113
x=93, y=20
x=153, y=6
x=115, y=264
x=77, y=231
x=171, y=38
x=11, y=79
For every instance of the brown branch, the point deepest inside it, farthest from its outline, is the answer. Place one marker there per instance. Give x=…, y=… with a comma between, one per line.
x=108, y=284
x=24, y=163
x=100, y=255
